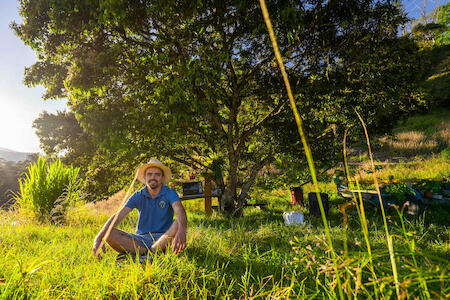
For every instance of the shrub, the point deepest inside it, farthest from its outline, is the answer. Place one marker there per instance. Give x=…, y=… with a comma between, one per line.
x=48, y=189
x=446, y=154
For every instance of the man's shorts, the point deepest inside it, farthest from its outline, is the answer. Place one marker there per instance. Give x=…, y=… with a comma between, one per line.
x=146, y=240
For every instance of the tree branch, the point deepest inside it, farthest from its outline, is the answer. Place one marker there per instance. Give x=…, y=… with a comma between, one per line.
x=256, y=168
x=188, y=163
x=246, y=134
x=215, y=122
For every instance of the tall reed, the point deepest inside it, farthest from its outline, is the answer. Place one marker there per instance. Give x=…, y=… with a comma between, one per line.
x=361, y=215
x=388, y=237
x=308, y=153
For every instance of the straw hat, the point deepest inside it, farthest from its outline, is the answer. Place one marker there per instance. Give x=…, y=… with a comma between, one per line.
x=140, y=171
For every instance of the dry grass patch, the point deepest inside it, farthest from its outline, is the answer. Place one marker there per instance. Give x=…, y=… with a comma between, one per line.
x=414, y=142
x=444, y=133
x=419, y=135
x=108, y=206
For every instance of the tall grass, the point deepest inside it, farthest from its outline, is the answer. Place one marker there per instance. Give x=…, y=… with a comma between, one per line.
x=306, y=147
x=246, y=258
x=47, y=189
x=328, y=273
x=388, y=236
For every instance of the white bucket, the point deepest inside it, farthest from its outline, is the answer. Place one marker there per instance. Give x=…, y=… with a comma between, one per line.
x=293, y=218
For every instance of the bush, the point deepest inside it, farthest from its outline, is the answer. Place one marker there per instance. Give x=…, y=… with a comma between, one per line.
x=446, y=153
x=48, y=189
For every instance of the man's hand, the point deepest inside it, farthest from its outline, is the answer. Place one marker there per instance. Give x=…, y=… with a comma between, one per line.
x=179, y=241
x=96, y=246
x=112, y=222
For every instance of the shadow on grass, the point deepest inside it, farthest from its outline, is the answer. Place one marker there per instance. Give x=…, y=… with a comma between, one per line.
x=236, y=268
x=248, y=220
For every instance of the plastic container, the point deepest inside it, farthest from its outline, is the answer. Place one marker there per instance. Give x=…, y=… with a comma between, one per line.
x=293, y=218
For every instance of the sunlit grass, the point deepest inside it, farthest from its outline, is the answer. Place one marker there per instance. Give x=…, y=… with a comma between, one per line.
x=419, y=135
x=225, y=258
x=436, y=167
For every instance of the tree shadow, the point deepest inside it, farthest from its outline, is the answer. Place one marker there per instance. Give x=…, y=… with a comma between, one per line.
x=235, y=267
x=248, y=220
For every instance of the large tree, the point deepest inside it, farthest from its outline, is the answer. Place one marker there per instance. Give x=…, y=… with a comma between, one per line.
x=196, y=81
x=61, y=135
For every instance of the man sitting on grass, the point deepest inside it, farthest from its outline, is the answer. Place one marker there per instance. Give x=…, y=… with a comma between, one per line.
x=156, y=228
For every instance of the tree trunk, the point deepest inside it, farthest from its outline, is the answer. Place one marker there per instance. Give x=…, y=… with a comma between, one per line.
x=229, y=200
x=231, y=204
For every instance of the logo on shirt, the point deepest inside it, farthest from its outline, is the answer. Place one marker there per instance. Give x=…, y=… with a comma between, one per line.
x=162, y=204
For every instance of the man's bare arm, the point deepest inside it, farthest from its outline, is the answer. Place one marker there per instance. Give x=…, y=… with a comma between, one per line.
x=121, y=214
x=179, y=241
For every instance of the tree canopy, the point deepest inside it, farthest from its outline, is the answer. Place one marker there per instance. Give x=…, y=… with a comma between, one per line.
x=196, y=83
x=61, y=135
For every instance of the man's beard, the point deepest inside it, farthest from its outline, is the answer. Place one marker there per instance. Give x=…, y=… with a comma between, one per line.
x=153, y=183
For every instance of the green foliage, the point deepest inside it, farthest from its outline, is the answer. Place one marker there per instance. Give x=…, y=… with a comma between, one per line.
x=435, y=32
x=48, y=189
x=108, y=173
x=428, y=185
x=436, y=74
x=434, y=39
x=429, y=33
x=194, y=81
x=399, y=191
x=446, y=154
x=444, y=20
x=61, y=136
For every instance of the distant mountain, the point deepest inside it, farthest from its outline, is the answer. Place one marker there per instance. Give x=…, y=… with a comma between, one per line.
x=11, y=155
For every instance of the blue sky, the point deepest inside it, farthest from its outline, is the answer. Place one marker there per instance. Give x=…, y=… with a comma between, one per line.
x=20, y=105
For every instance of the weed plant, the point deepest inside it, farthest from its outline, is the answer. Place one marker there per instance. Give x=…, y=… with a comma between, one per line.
x=48, y=189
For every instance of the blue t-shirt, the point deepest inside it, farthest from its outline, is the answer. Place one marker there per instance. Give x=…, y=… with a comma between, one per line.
x=155, y=214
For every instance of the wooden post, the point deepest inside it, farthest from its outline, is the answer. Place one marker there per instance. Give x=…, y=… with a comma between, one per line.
x=208, y=191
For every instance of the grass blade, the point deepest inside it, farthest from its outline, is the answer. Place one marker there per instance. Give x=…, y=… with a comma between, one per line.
x=388, y=237
x=308, y=153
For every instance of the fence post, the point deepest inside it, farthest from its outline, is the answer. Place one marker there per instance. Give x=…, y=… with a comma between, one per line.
x=208, y=191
